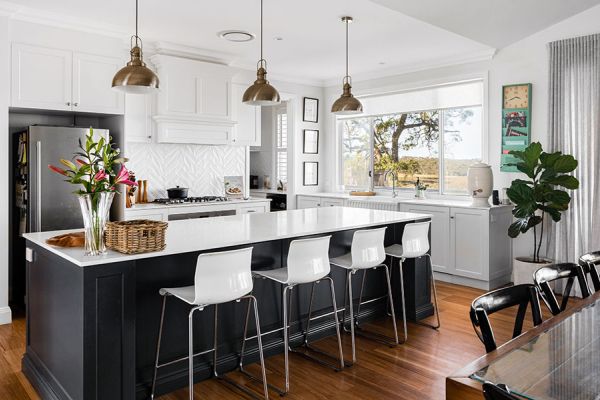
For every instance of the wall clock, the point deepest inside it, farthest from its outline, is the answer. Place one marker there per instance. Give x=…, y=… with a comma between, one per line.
x=516, y=96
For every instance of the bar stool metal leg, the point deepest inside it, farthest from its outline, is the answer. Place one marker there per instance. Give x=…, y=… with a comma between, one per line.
x=191, y=351
x=306, y=344
x=372, y=335
x=263, y=379
x=435, y=302
x=160, y=330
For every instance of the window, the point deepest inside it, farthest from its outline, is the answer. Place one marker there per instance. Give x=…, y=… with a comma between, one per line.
x=281, y=140
x=435, y=146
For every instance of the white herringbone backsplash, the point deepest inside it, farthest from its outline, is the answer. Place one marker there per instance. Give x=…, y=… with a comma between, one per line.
x=199, y=168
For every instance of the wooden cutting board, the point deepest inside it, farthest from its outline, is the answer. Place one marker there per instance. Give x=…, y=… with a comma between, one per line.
x=75, y=239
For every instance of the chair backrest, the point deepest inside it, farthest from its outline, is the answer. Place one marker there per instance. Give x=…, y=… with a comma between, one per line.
x=415, y=239
x=223, y=276
x=500, y=299
x=497, y=392
x=589, y=262
x=569, y=271
x=367, y=248
x=308, y=260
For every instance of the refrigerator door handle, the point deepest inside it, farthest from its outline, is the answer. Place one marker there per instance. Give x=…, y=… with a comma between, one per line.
x=38, y=200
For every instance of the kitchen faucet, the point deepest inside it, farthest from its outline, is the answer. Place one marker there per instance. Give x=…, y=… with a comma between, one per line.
x=394, y=194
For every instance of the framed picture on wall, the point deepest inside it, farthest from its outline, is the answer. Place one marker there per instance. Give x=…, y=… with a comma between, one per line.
x=516, y=123
x=311, y=173
x=311, y=110
x=311, y=141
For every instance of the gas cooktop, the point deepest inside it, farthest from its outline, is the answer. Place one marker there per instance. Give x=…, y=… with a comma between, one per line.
x=189, y=200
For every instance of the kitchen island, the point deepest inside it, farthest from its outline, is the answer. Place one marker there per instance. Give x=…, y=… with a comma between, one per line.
x=92, y=322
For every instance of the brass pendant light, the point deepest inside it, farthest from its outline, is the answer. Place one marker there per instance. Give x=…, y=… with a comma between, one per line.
x=347, y=103
x=261, y=93
x=135, y=77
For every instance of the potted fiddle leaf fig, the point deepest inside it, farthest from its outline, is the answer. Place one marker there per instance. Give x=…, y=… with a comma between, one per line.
x=542, y=197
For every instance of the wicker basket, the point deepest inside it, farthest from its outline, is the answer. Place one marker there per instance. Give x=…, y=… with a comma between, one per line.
x=137, y=236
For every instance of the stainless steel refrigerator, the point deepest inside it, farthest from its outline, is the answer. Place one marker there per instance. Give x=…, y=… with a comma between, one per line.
x=46, y=200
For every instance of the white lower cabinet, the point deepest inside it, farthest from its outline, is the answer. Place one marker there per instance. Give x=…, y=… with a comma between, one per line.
x=440, y=231
x=469, y=246
x=308, y=202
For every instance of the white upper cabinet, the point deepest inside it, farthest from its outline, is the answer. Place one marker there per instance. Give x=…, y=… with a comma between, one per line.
x=194, y=104
x=247, y=131
x=138, y=118
x=41, y=78
x=55, y=79
x=92, y=78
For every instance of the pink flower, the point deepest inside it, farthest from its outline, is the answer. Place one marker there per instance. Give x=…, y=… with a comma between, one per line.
x=123, y=177
x=57, y=170
x=80, y=161
x=100, y=176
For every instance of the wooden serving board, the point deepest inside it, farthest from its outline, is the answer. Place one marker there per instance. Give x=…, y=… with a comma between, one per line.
x=362, y=193
x=75, y=239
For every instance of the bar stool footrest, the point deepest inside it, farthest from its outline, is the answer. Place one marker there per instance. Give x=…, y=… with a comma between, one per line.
x=333, y=365
x=255, y=378
x=378, y=337
x=226, y=379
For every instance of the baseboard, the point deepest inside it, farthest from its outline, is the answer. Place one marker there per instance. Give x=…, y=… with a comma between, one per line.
x=5, y=315
x=470, y=282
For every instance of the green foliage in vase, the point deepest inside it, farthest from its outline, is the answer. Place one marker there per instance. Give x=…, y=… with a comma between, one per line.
x=97, y=167
x=542, y=193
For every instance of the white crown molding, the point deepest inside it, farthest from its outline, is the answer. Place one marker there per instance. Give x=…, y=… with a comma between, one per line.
x=484, y=55
x=28, y=14
x=193, y=53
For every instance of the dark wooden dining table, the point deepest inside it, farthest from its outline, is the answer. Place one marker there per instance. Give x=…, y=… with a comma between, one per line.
x=557, y=360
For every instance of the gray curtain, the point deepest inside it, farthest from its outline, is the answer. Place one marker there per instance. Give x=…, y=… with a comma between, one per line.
x=574, y=128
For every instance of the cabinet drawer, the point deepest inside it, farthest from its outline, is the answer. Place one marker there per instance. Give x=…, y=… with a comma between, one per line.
x=331, y=202
x=253, y=209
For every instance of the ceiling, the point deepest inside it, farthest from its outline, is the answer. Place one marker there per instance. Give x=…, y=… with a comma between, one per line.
x=387, y=35
x=496, y=23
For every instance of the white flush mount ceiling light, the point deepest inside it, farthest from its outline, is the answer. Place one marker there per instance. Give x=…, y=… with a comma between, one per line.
x=347, y=103
x=261, y=93
x=236, y=36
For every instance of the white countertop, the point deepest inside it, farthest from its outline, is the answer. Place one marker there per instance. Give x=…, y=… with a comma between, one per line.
x=218, y=232
x=405, y=200
x=154, y=206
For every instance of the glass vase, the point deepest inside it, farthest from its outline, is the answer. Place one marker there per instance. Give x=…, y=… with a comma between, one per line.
x=95, y=209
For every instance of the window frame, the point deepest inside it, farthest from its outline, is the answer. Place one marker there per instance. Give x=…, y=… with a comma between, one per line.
x=441, y=164
x=280, y=110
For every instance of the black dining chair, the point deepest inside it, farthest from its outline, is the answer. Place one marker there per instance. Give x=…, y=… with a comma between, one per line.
x=497, y=392
x=555, y=272
x=500, y=299
x=589, y=262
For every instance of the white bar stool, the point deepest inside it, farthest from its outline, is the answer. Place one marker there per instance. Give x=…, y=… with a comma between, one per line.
x=220, y=277
x=307, y=262
x=415, y=244
x=366, y=252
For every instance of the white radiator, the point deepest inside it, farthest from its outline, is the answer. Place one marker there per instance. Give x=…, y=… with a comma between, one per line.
x=374, y=205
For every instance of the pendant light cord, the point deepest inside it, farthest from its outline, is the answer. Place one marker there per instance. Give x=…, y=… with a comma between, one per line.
x=137, y=38
x=347, y=52
x=261, y=29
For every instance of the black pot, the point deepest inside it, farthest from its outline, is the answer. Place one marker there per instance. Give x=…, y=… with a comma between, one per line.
x=177, y=193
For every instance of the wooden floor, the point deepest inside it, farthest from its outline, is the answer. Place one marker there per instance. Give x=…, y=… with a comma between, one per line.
x=414, y=370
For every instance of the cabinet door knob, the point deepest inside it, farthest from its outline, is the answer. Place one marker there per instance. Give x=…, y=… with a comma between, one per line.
x=68, y=103
x=75, y=104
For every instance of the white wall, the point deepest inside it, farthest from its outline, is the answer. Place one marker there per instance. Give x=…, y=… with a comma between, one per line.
x=523, y=62
x=5, y=313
